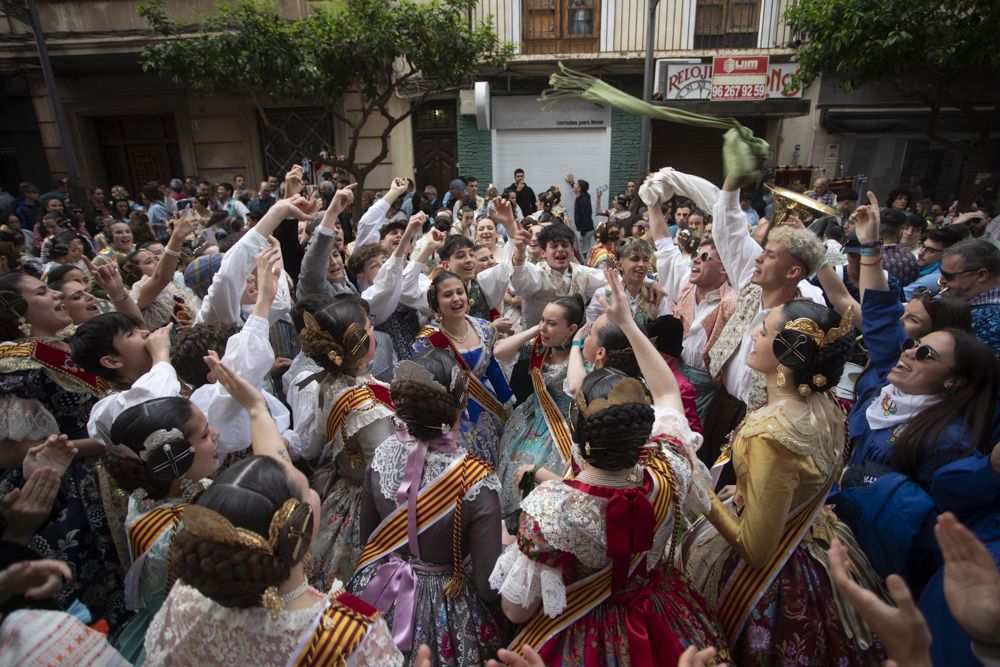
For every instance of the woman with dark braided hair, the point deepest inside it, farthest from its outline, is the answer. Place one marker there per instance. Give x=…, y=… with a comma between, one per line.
x=431, y=580
x=760, y=559
x=241, y=595
x=591, y=574
x=341, y=415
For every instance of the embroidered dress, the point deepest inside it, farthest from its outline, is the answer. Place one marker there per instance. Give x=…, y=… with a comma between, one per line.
x=464, y=630
x=527, y=440
x=345, y=458
x=481, y=427
x=563, y=539
x=173, y=304
x=785, y=456
x=36, y=401
x=192, y=630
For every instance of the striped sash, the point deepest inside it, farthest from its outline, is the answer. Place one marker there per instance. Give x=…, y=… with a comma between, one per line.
x=553, y=418
x=584, y=595
x=146, y=529
x=746, y=585
x=362, y=397
x=477, y=389
x=434, y=502
x=338, y=632
x=53, y=359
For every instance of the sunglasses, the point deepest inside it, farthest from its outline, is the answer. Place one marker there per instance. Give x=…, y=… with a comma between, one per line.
x=704, y=257
x=948, y=276
x=922, y=352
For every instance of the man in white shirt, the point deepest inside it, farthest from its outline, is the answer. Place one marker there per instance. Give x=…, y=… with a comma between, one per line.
x=230, y=204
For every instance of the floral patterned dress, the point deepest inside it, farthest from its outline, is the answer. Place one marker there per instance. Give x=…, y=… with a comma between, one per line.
x=35, y=402
x=562, y=540
x=481, y=428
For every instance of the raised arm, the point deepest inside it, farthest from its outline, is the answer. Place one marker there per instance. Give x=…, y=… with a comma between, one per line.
x=167, y=265
x=109, y=277
x=659, y=378
x=507, y=349
x=576, y=371
x=369, y=223
x=867, y=221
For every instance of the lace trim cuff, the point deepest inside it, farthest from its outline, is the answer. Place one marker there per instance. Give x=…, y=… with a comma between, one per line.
x=522, y=581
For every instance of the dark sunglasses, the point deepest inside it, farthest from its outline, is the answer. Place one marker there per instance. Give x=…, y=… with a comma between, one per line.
x=923, y=352
x=947, y=275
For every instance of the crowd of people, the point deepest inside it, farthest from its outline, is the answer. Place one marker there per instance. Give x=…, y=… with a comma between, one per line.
x=305, y=425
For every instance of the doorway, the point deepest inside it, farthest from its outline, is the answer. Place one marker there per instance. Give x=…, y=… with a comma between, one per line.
x=435, y=144
x=138, y=149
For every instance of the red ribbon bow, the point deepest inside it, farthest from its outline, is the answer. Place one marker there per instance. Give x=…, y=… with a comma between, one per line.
x=630, y=524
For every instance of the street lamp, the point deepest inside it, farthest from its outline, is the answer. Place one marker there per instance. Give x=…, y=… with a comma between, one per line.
x=647, y=88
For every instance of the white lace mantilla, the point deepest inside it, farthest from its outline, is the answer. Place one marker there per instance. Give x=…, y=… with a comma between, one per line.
x=390, y=464
x=25, y=419
x=191, y=629
x=522, y=581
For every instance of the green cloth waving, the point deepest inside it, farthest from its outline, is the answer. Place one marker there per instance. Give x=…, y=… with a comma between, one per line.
x=743, y=153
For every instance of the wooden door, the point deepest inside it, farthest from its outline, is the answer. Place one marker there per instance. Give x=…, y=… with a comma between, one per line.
x=138, y=149
x=435, y=144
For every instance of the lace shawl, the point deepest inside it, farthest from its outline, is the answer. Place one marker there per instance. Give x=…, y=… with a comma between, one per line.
x=390, y=464
x=25, y=419
x=191, y=629
x=801, y=427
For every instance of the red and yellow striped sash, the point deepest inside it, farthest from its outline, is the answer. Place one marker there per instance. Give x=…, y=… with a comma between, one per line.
x=338, y=633
x=746, y=585
x=553, y=418
x=365, y=395
x=146, y=529
x=586, y=594
x=434, y=502
x=477, y=389
x=56, y=360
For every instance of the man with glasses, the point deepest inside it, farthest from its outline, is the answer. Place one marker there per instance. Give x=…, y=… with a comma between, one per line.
x=929, y=254
x=970, y=270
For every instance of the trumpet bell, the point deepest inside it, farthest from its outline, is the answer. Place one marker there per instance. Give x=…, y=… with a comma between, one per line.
x=788, y=203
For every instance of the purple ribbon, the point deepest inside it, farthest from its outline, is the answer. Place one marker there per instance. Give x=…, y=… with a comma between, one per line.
x=410, y=486
x=395, y=582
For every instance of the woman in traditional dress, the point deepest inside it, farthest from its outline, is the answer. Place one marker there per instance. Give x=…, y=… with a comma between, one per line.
x=341, y=415
x=591, y=574
x=602, y=255
x=160, y=299
x=432, y=579
x=536, y=436
x=241, y=595
x=633, y=260
x=162, y=451
x=42, y=392
x=471, y=341
x=762, y=562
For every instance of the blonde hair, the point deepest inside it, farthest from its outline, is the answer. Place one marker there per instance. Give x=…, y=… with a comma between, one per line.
x=802, y=244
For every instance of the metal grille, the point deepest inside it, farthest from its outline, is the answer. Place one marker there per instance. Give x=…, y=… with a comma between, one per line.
x=289, y=135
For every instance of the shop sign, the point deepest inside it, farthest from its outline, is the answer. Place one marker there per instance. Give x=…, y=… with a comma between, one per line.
x=693, y=81
x=739, y=78
x=521, y=112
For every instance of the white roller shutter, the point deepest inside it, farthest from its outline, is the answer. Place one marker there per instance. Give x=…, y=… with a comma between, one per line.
x=547, y=155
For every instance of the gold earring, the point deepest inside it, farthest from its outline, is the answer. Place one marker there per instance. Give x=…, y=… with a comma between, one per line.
x=781, y=378
x=586, y=448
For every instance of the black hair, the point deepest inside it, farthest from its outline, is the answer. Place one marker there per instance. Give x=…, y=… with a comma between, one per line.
x=826, y=362
x=916, y=221
x=453, y=244
x=946, y=312
x=617, y=434
x=132, y=427
x=667, y=334
x=388, y=227
x=574, y=309
x=58, y=273
x=335, y=322
x=309, y=303
x=249, y=493
x=835, y=233
x=894, y=219
x=12, y=306
x=60, y=244
x=619, y=354
x=973, y=402
x=948, y=235
x=557, y=231
x=894, y=194
x=584, y=185
x=228, y=186
x=432, y=291
x=95, y=338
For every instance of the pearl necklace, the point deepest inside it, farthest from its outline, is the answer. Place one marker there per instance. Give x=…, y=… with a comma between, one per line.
x=617, y=479
x=296, y=592
x=455, y=338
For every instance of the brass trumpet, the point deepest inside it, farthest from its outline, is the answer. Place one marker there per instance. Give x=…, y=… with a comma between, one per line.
x=788, y=203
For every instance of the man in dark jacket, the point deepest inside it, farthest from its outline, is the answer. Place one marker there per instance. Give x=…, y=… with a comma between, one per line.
x=525, y=195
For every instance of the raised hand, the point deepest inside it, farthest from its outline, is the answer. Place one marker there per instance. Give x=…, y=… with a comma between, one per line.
x=294, y=181
x=35, y=579
x=244, y=393
x=268, y=274
x=902, y=628
x=399, y=187
x=158, y=343
x=971, y=580
x=57, y=452
x=343, y=199
x=617, y=309
x=866, y=220
x=521, y=238
x=304, y=208
x=503, y=213
x=25, y=510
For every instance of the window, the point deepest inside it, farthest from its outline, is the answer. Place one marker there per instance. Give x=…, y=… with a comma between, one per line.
x=561, y=26
x=730, y=24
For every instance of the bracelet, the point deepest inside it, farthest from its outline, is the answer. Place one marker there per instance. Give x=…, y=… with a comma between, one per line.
x=871, y=252
x=578, y=344
x=872, y=244
x=172, y=253
x=120, y=297
x=876, y=262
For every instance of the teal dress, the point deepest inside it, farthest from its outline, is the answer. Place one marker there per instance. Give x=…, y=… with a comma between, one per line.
x=146, y=581
x=526, y=440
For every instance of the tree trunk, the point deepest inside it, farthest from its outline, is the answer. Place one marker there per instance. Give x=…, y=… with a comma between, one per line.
x=359, y=190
